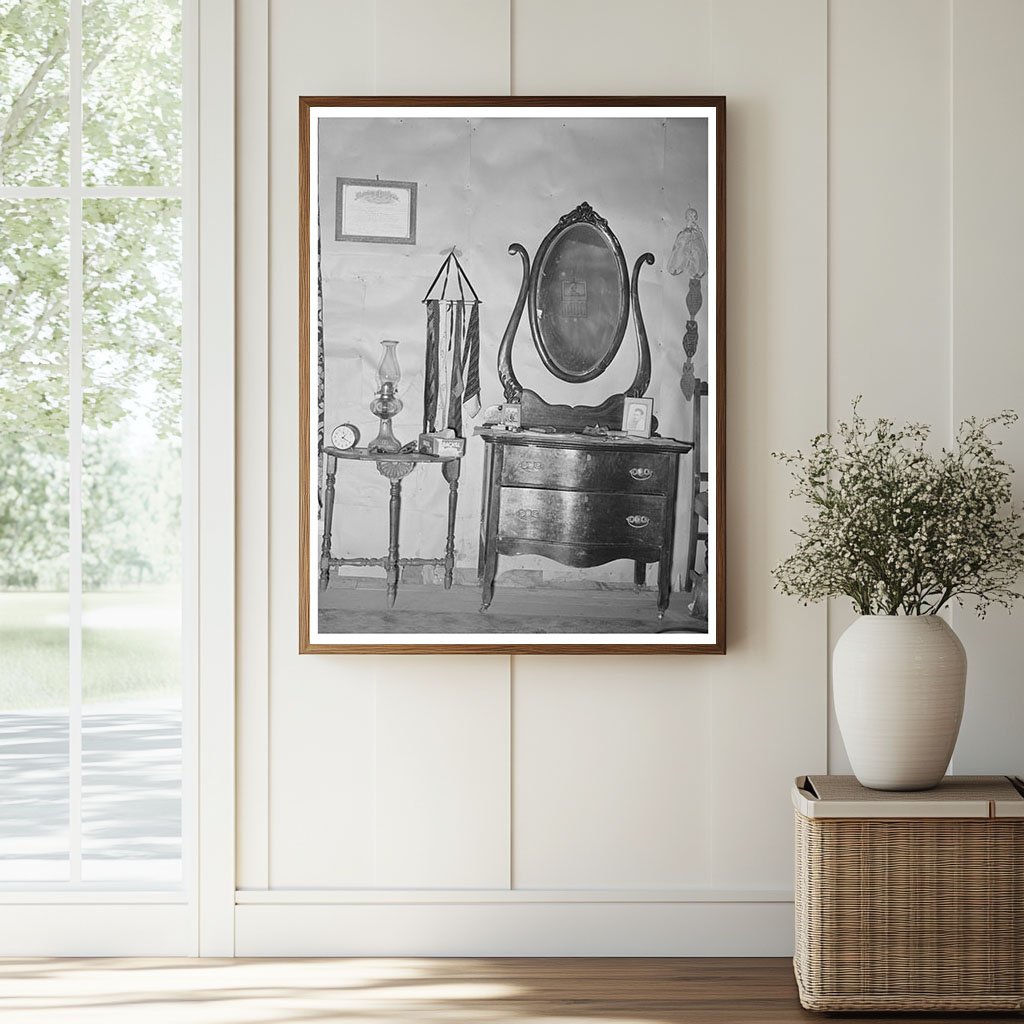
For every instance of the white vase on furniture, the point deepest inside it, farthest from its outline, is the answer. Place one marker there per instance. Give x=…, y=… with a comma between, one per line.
x=898, y=684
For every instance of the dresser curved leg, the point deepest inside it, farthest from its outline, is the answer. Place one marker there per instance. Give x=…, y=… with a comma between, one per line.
x=667, y=547
x=490, y=571
x=489, y=523
x=639, y=576
x=664, y=585
x=485, y=510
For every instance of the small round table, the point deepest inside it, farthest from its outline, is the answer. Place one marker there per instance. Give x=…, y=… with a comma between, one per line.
x=394, y=467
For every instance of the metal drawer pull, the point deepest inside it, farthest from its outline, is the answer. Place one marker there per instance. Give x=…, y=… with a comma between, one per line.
x=531, y=467
x=529, y=514
x=638, y=522
x=641, y=473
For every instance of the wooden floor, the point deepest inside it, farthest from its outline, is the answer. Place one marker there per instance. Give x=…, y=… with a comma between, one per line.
x=420, y=608
x=383, y=991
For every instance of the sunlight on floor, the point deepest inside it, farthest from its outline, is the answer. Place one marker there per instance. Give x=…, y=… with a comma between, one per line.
x=141, y=991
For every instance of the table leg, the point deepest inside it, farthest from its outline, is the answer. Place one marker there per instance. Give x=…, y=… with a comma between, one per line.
x=450, y=470
x=392, y=561
x=639, y=576
x=328, y=514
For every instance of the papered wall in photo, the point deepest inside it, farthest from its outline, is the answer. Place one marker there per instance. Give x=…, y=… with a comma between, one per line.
x=483, y=184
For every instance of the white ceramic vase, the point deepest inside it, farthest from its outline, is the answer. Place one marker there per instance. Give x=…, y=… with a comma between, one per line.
x=898, y=684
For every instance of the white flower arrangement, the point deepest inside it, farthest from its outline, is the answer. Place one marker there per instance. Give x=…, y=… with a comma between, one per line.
x=900, y=530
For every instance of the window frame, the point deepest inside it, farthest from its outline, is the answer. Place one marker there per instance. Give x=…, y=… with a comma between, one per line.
x=95, y=918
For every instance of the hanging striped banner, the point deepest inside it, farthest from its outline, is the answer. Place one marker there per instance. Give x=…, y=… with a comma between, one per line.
x=451, y=376
x=430, y=369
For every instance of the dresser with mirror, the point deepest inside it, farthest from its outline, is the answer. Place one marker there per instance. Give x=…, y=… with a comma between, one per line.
x=571, y=484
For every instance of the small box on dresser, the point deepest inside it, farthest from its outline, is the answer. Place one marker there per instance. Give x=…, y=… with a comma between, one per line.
x=910, y=901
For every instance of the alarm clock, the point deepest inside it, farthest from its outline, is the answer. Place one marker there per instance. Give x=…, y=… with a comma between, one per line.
x=345, y=436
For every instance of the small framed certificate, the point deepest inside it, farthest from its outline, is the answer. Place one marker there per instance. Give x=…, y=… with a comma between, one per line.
x=371, y=210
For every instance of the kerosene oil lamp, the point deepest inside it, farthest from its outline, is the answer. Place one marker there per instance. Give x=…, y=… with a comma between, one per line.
x=386, y=403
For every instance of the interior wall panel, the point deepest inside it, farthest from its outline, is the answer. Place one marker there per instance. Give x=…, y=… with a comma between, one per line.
x=645, y=47
x=769, y=692
x=889, y=209
x=889, y=242
x=323, y=762
x=612, y=781
x=442, y=775
x=442, y=48
x=987, y=364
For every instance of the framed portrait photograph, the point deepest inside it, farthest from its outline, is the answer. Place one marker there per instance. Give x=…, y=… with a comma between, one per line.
x=637, y=414
x=510, y=416
x=512, y=375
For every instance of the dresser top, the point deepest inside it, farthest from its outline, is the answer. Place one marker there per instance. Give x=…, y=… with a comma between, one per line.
x=613, y=443
x=957, y=796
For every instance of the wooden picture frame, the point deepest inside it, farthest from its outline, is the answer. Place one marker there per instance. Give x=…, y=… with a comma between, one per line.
x=699, y=310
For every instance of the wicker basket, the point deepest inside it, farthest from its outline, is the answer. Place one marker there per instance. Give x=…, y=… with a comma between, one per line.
x=910, y=901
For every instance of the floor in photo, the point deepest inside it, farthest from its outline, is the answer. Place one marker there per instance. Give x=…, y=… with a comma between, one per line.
x=358, y=605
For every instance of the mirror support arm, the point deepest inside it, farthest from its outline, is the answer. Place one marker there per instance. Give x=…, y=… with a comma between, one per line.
x=507, y=376
x=642, y=379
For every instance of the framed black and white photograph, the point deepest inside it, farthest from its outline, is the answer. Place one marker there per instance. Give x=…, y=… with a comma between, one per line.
x=637, y=416
x=512, y=419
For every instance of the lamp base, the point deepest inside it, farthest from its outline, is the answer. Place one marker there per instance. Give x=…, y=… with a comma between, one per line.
x=385, y=441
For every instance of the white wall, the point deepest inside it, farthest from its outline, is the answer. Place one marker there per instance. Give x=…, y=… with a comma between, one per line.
x=537, y=805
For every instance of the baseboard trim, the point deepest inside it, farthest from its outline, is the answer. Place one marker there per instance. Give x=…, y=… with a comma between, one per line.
x=515, y=928
x=348, y=897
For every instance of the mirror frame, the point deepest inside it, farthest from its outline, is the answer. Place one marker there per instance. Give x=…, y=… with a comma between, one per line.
x=583, y=214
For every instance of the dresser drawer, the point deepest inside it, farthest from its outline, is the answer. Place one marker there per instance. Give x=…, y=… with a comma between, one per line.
x=570, y=469
x=572, y=517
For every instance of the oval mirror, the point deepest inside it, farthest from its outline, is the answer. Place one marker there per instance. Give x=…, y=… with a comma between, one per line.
x=579, y=297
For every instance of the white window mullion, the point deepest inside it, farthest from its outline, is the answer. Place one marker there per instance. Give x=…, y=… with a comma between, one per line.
x=34, y=192
x=135, y=192
x=75, y=301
